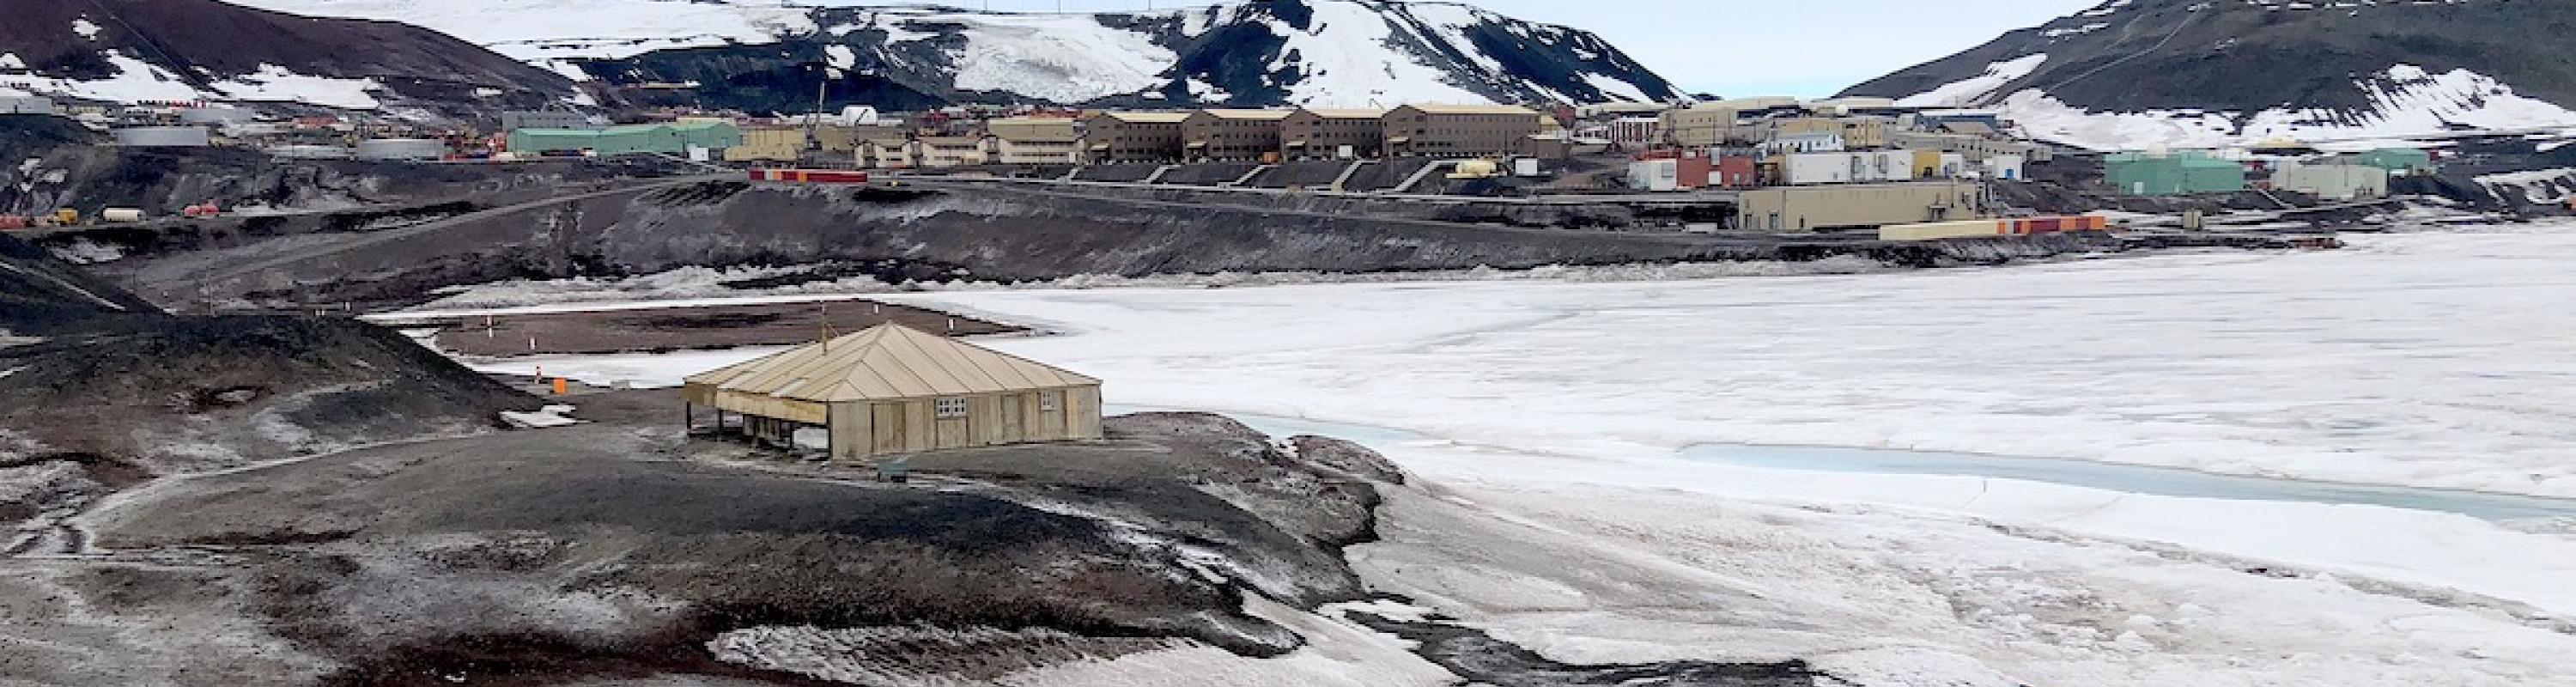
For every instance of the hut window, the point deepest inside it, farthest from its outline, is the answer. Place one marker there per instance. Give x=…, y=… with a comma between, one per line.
x=950, y=406
x=1049, y=400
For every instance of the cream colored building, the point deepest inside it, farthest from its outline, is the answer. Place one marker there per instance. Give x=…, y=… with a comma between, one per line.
x=1702, y=126
x=1977, y=148
x=1800, y=209
x=2331, y=181
x=1035, y=140
x=893, y=389
x=935, y=152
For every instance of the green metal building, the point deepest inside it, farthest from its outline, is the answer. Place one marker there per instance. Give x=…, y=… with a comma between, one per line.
x=2407, y=160
x=674, y=138
x=2171, y=174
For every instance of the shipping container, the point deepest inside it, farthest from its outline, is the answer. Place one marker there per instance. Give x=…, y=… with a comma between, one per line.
x=2021, y=226
x=810, y=176
x=1930, y=231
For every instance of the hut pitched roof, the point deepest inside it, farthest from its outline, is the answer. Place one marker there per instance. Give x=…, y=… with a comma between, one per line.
x=887, y=361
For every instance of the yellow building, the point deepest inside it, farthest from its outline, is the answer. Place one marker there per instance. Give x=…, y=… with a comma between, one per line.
x=1801, y=209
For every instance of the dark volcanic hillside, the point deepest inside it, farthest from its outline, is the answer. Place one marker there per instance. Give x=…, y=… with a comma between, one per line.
x=217, y=49
x=2253, y=55
x=1322, y=52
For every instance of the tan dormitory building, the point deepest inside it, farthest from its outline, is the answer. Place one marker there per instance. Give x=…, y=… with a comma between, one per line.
x=1976, y=148
x=787, y=144
x=1706, y=125
x=1034, y=140
x=1459, y=130
x=1799, y=209
x=1111, y=137
x=935, y=152
x=1227, y=134
x=1333, y=133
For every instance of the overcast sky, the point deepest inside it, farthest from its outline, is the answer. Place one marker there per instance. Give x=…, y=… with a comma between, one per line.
x=1733, y=48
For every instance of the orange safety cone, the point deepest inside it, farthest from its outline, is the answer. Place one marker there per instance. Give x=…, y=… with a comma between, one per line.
x=560, y=385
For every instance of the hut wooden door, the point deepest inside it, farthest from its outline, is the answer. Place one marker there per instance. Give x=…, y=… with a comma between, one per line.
x=888, y=428
x=1014, y=423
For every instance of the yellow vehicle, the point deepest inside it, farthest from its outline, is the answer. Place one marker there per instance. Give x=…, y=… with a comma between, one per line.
x=66, y=216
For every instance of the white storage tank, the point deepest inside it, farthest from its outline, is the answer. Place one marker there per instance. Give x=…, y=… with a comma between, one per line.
x=120, y=215
x=401, y=149
x=215, y=115
x=311, y=152
x=164, y=137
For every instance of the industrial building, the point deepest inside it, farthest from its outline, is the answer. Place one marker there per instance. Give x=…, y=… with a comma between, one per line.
x=2169, y=174
x=1459, y=130
x=2333, y=180
x=1223, y=134
x=891, y=389
x=1111, y=137
x=546, y=119
x=1332, y=134
x=1976, y=147
x=1798, y=209
x=1848, y=167
x=2399, y=160
x=1702, y=126
x=26, y=104
x=401, y=149
x=675, y=138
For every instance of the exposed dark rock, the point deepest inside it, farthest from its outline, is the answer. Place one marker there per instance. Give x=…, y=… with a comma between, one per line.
x=2140, y=55
x=1238, y=49
x=205, y=41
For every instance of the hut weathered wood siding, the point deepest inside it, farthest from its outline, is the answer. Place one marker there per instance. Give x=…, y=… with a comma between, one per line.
x=893, y=389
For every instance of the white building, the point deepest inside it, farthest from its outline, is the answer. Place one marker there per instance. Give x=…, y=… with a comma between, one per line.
x=1798, y=169
x=2331, y=181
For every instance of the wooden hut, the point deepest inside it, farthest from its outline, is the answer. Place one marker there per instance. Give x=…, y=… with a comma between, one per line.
x=892, y=389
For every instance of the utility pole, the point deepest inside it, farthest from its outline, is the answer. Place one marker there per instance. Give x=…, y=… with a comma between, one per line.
x=814, y=120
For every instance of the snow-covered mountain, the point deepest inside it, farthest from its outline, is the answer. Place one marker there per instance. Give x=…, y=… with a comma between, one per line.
x=178, y=50
x=753, y=54
x=2147, y=73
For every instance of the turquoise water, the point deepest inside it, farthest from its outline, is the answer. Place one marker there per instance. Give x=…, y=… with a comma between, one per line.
x=2136, y=479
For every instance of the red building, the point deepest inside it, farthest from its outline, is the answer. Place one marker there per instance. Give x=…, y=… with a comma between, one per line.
x=1736, y=172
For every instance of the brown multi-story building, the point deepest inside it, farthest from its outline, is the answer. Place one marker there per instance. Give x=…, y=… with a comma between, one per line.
x=1111, y=137
x=1459, y=130
x=1328, y=134
x=1219, y=134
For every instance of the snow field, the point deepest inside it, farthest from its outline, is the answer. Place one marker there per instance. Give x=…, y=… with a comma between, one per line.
x=1545, y=419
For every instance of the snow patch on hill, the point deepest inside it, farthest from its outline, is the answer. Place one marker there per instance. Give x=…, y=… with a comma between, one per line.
x=278, y=84
x=1346, y=63
x=1347, y=53
x=135, y=81
x=2407, y=103
x=1968, y=92
x=539, y=30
